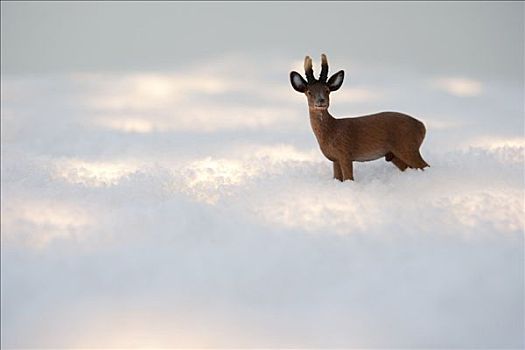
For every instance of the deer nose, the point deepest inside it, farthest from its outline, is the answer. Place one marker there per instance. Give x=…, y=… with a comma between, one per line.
x=321, y=100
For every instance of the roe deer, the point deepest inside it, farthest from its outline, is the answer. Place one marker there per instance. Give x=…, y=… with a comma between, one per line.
x=392, y=135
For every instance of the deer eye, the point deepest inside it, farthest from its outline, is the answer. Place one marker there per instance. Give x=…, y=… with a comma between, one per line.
x=309, y=93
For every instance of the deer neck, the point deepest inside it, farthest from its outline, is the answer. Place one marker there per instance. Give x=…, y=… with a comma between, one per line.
x=322, y=123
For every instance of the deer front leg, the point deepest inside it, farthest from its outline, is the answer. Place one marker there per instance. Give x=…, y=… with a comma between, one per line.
x=348, y=170
x=338, y=173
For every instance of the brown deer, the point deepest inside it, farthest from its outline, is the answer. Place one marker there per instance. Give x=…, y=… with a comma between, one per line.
x=392, y=135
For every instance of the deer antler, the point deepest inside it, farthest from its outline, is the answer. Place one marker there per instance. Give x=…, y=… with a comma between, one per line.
x=324, y=69
x=308, y=70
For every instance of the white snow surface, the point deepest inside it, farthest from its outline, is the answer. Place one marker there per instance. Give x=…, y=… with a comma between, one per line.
x=192, y=208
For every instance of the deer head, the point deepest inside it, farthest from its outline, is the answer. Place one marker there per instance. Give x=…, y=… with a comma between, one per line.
x=317, y=91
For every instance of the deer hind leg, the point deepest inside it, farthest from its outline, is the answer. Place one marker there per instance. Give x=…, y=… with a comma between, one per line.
x=338, y=172
x=390, y=157
x=413, y=159
x=399, y=163
x=348, y=170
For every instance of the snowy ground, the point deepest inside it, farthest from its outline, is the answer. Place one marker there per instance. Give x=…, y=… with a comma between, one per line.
x=193, y=208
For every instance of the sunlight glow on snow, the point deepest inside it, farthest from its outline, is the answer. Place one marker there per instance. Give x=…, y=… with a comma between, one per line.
x=143, y=91
x=462, y=87
x=491, y=142
x=180, y=102
x=197, y=119
x=277, y=153
x=313, y=211
x=127, y=125
x=356, y=94
x=207, y=178
x=138, y=329
x=94, y=173
x=440, y=123
x=43, y=221
x=503, y=210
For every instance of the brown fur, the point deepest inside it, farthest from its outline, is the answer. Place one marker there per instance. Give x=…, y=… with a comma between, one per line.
x=395, y=136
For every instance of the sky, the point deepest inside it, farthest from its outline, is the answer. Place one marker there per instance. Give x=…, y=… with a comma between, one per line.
x=483, y=39
x=162, y=187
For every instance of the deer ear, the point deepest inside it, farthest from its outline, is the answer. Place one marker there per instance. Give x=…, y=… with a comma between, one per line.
x=298, y=83
x=336, y=80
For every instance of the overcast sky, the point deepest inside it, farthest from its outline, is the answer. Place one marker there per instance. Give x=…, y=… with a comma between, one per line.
x=479, y=39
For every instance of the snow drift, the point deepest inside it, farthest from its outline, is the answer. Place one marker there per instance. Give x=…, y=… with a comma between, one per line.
x=159, y=210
